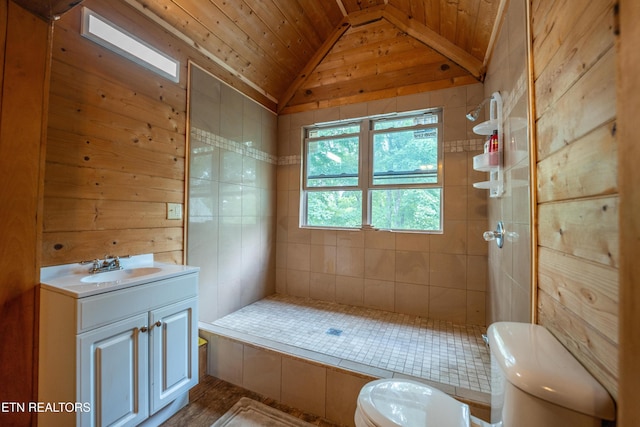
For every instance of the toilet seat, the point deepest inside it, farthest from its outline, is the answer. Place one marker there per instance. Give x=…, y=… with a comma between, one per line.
x=401, y=403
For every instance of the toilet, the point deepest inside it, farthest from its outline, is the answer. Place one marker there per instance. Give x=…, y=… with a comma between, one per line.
x=535, y=382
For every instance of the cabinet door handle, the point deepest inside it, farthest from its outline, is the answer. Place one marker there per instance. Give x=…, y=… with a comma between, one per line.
x=158, y=323
x=144, y=329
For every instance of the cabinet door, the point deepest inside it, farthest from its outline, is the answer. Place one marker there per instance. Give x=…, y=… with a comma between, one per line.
x=174, y=352
x=113, y=374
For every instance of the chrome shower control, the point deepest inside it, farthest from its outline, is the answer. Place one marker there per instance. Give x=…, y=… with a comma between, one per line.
x=497, y=235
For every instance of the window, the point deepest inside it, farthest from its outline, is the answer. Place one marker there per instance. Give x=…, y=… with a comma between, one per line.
x=382, y=172
x=110, y=36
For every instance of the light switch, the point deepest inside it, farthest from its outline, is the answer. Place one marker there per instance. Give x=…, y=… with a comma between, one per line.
x=174, y=211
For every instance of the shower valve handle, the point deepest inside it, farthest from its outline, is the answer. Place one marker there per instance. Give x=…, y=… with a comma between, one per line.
x=497, y=235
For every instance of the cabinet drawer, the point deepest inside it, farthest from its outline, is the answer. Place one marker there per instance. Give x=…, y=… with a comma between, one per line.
x=102, y=309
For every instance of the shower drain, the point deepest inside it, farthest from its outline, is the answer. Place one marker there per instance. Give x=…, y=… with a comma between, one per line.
x=334, y=331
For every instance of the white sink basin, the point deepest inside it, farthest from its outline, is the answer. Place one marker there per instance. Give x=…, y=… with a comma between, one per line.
x=114, y=276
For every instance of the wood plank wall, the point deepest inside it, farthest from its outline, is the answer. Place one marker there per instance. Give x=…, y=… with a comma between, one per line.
x=574, y=61
x=24, y=53
x=116, y=145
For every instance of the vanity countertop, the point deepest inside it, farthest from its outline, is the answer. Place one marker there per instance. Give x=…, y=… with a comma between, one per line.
x=76, y=281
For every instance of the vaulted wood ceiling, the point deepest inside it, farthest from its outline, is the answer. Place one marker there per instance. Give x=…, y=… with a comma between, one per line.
x=306, y=54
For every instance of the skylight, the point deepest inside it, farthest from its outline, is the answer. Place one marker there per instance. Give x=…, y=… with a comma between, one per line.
x=110, y=36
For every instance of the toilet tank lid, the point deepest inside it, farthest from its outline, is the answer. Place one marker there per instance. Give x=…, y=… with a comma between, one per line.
x=536, y=362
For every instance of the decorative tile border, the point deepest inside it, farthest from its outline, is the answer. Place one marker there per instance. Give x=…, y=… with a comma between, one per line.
x=289, y=160
x=476, y=144
x=209, y=138
x=214, y=140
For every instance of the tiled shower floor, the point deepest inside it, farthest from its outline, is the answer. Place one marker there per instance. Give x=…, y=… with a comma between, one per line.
x=433, y=350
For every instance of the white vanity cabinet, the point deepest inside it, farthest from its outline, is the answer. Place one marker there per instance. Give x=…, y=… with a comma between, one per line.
x=128, y=356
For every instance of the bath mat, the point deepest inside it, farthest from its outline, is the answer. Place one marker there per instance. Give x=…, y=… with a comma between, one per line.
x=249, y=413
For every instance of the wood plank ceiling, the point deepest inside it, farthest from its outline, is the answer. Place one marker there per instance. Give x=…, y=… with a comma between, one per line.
x=305, y=54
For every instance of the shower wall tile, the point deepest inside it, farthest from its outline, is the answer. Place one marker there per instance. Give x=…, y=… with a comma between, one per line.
x=477, y=206
x=342, y=395
x=297, y=283
x=379, y=294
x=295, y=148
x=281, y=281
x=351, y=239
x=282, y=231
x=476, y=245
x=322, y=286
x=299, y=256
x=207, y=303
x=294, y=178
x=382, y=106
x=351, y=111
x=250, y=201
x=454, y=97
x=231, y=115
x=350, y=261
x=448, y=270
x=230, y=167
x=448, y=304
x=476, y=303
x=414, y=102
x=379, y=264
x=412, y=267
x=412, y=299
x=324, y=237
x=453, y=240
x=326, y=115
x=350, y=290
x=282, y=180
x=304, y=385
x=477, y=273
x=226, y=359
x=455, y=169
x=323, y=259
x=229, y=297
x=379, y=239
x=295, y=233
x=294, y=203
x=262, y=371
x=455, y=202
x=413, y=242
x=455, y=123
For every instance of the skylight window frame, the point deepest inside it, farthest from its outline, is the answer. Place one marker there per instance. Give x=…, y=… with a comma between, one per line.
x=88, y=14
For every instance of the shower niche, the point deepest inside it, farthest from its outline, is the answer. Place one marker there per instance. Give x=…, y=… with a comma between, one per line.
x=491, y=160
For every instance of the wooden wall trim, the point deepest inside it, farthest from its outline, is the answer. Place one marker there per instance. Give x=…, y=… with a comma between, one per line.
x=23, y=110
x=629, y=158
x=533, y=160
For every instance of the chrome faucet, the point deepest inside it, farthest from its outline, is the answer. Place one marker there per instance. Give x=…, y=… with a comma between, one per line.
x=110, y=263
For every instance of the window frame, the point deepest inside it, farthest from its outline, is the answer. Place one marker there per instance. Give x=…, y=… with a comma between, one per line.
x=366, y=184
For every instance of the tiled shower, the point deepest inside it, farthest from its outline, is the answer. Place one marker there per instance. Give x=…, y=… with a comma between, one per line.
x=244, y=233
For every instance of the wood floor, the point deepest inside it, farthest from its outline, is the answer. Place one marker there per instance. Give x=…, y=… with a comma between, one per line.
x=212, y=398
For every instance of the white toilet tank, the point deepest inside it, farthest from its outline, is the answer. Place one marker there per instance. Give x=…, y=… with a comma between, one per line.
x=537, y=382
